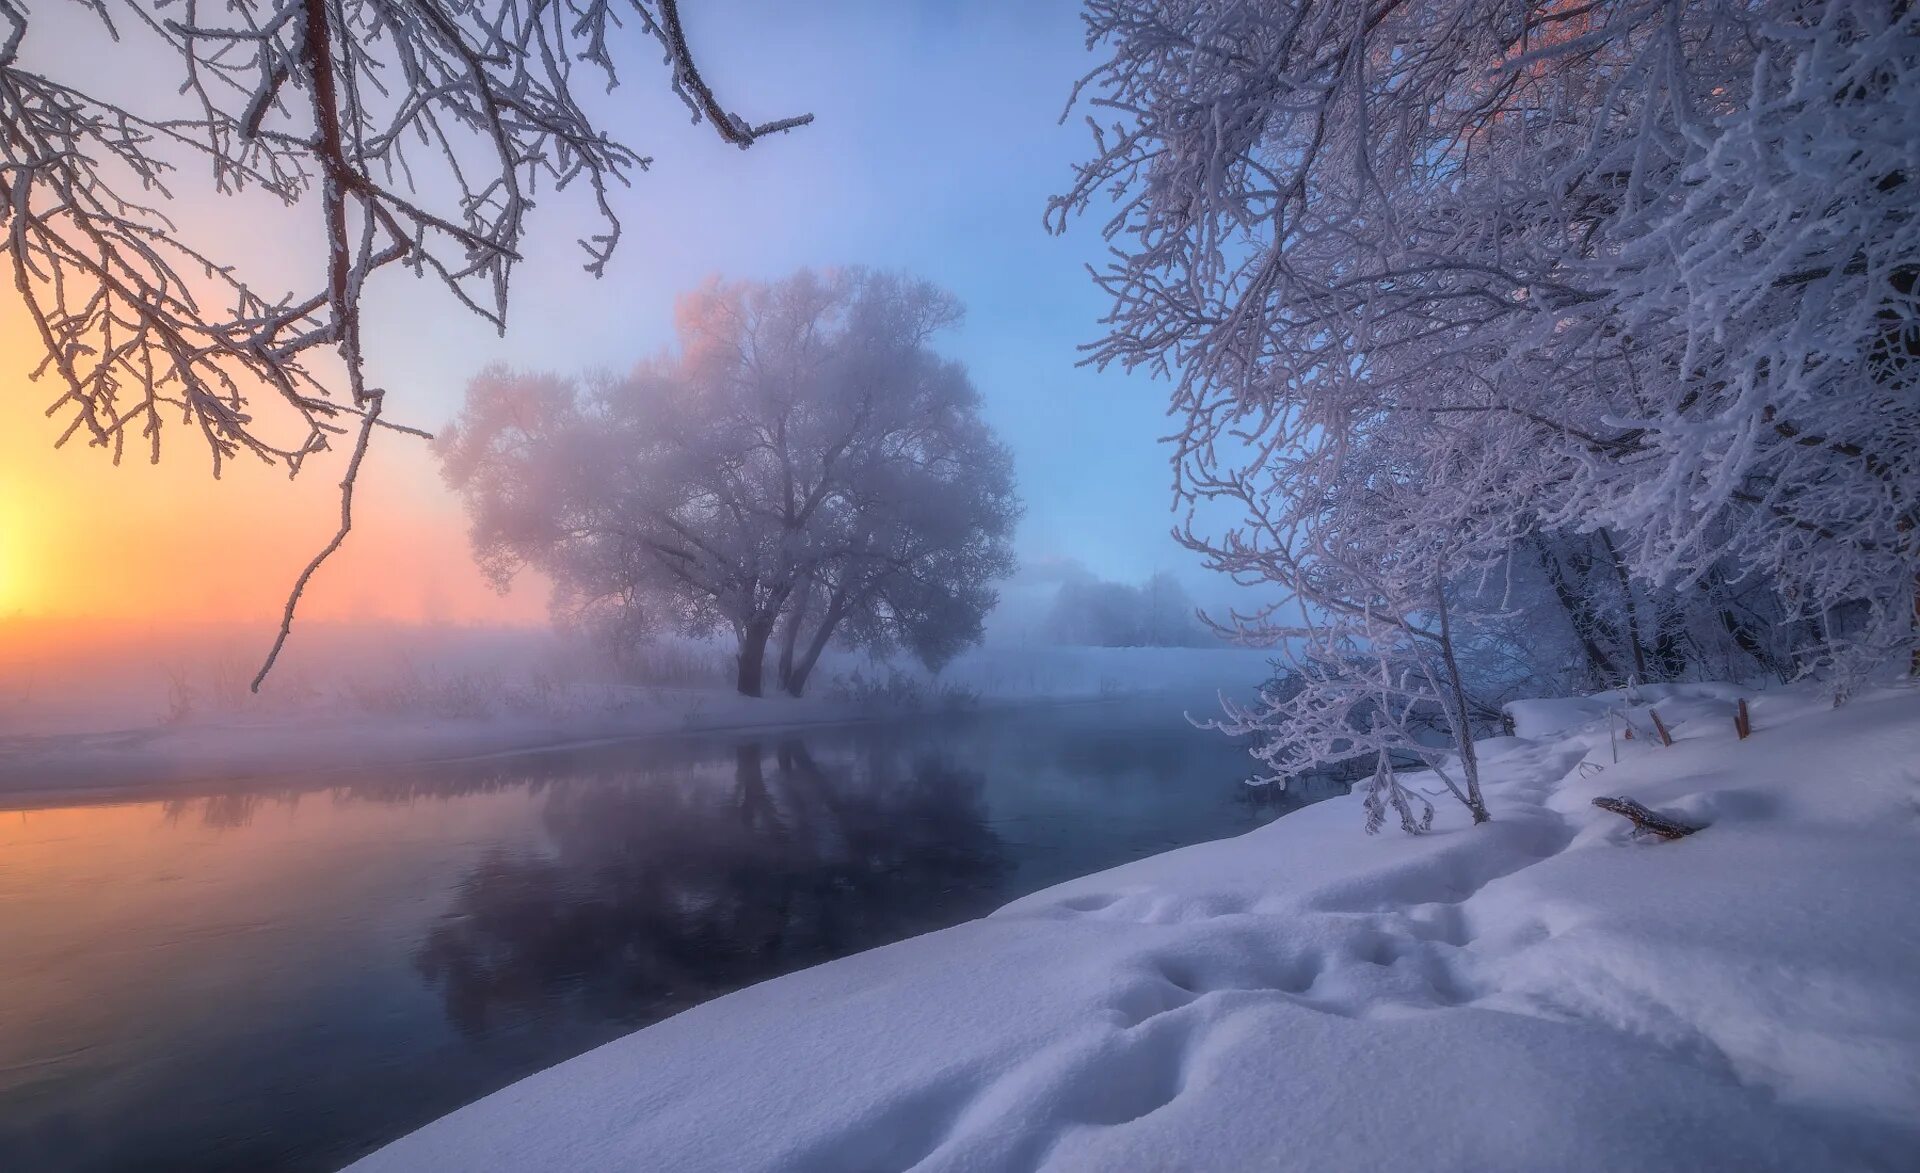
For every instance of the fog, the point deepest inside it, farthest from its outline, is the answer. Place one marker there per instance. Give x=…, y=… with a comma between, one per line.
x=63, y=676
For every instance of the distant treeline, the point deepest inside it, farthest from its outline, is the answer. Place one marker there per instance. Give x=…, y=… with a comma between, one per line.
x=1158, y=613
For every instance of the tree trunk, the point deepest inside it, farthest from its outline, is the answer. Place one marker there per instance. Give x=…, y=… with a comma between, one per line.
x=1913, y=660
x=753, y=655
x=1633, y=612
x=1463, y=734
x=796, y=680
x=790, y=636
x=1579, y=617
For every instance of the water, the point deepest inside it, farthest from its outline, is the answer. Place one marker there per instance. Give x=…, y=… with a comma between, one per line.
x=286, y=977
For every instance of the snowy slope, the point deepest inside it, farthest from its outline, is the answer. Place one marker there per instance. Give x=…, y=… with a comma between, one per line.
x=1540, y=993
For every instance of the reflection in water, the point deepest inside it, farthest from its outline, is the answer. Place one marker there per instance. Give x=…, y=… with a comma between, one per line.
x=284, y=976
x=660, y=892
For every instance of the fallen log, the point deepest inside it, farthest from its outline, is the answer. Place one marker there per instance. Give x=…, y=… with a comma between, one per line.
x=1644, y=820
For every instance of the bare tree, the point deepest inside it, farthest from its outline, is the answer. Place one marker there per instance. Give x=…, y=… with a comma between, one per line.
x=416, y=132
x=803, y=463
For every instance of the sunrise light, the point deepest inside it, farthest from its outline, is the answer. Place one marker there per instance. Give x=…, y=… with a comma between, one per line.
x=17, y=580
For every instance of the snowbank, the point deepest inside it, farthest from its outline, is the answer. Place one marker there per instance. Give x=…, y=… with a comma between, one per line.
x=1547, y=716
x=1540, y=993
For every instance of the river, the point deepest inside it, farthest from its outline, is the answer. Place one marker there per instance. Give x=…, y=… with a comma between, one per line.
x=285, y=976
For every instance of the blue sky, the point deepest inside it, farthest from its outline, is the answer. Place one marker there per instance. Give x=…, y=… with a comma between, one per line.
x=936, y=144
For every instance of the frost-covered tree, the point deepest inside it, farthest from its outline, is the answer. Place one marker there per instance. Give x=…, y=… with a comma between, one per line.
x=416, y=135
x=1442, y=285
x=1169, y=615
x=1094, y=612
x=802, y=463
x=1573, y=594
x=1158, y=613
x=1373, y=624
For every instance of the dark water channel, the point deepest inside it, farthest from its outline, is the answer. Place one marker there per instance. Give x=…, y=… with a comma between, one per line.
x=287, y=976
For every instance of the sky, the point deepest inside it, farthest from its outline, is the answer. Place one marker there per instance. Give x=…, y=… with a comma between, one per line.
x=937, y=140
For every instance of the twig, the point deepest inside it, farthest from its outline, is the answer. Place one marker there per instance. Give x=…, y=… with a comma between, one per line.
x=732, y=127
x=368, y=422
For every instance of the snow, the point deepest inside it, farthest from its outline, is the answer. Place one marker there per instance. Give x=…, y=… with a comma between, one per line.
x=1543, y=992
x=1549, y=715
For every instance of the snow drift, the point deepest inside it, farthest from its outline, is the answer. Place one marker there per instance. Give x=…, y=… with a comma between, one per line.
x=1544, y=992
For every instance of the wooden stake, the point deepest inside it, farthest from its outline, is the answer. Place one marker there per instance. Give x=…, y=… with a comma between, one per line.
x=1660, y=727
x=1742, y=724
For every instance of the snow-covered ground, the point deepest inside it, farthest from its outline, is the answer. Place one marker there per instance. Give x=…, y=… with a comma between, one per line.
x=67, y=743
x=1541, y=993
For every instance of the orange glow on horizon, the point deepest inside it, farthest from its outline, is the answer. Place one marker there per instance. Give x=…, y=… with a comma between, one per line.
x=16, y=585
x=156, y=545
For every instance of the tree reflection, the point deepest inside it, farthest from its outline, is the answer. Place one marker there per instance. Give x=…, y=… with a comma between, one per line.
x=665, y=888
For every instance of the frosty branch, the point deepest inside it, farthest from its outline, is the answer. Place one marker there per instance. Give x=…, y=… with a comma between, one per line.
x=415, y=131
x=1555, y=325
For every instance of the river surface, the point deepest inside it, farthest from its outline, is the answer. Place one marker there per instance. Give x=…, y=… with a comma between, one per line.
x=289, y=975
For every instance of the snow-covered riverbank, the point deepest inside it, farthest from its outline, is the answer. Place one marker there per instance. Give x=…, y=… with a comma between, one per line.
x=1540, y=993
